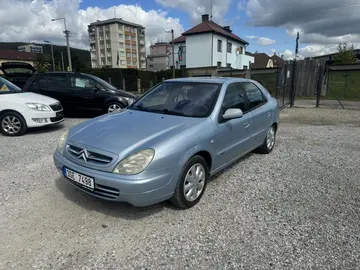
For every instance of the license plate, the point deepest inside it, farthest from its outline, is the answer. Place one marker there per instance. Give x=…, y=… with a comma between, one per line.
x=81, y=179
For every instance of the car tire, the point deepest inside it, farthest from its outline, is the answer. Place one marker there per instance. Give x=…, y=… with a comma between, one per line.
x=184, y=199
x=269, y=142
x=114, y=106
x=12, y=124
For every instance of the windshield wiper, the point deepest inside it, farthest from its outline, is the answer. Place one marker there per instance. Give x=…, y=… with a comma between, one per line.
x=166, y=111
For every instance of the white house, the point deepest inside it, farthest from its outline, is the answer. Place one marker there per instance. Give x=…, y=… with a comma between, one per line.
x=209, y=44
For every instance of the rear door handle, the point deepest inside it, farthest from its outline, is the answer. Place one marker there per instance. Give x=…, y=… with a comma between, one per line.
x=246, y=125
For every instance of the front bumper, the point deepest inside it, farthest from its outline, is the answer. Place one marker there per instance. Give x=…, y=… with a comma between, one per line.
x=51, y=117
x=109, y=186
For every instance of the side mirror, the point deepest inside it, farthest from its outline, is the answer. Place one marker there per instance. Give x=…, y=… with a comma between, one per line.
x=232, y=114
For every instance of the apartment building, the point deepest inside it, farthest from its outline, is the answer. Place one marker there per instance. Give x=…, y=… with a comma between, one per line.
x=117, y=43
x=159, y=56
x=30, y=48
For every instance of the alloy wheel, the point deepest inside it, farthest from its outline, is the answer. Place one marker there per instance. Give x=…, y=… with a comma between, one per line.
x=114, y=108
x=11, y=125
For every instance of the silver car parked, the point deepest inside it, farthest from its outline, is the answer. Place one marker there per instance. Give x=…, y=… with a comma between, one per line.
x=169, y=142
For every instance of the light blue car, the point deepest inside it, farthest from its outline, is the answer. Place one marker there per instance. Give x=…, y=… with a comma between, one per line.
x=167, y=144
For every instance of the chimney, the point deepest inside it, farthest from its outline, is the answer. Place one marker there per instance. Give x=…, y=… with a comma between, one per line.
x=205, y=17
x=227, y=28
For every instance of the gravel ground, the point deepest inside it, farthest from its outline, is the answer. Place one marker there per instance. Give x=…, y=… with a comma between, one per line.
x=295, y=208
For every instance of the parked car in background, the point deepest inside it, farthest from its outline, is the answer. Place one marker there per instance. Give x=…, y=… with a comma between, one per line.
x=17, y=72
x=80, y=91
x=20, y=111
x=169, y=142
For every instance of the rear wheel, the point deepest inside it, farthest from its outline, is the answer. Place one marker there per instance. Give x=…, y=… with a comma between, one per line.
x=191, y=184
x=269, y=141
x=12, y=124
x=114, y=107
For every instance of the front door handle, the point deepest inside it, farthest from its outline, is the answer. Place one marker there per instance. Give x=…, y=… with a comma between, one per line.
x=246, y=125
x=269, y=114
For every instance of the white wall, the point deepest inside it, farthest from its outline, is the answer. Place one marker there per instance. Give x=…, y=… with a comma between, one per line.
x=224, y=57
x=198, y=50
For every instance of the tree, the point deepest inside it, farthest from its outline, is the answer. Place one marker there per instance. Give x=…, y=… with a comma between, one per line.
x=41, y=64
x=345, y=55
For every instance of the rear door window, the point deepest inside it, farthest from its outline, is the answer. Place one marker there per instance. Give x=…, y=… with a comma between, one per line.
x=254, y=94
x=54, y=82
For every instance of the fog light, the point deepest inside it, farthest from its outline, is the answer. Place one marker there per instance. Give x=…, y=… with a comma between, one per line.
x=40, y=120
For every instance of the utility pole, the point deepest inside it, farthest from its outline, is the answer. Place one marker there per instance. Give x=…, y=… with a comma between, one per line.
x=62, y=61
x=67, y=35
x=292, y=97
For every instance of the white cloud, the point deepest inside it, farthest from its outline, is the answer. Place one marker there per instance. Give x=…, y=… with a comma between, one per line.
x=196, y=8
x=35, y=24
x=264, y=41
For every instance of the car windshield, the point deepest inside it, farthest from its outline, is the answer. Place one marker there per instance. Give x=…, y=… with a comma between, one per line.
x=6, y=87
x=191, y=99
x=101, y=81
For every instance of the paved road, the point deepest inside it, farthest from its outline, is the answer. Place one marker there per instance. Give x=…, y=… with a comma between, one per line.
x=296, y=208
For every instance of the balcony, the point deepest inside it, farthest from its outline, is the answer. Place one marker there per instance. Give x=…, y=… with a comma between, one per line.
x=142, y=42
x=142, y=58
x=92, y=50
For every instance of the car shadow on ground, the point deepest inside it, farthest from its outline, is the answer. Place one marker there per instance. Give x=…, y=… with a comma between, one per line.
x=45, y=129
x=121, y=209
x=112, y=208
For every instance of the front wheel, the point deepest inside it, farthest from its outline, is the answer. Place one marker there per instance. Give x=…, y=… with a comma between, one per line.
x=114, y=107
x=191, y=184
x=12, y=124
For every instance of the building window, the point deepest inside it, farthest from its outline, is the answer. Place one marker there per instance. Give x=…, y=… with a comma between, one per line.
x=121, y=44
x=228, y=65
x=134, y=55
x=122, y=62
x=151, y=66
x=229, y=47
x=121, y=36
x=219, y=64
x=245, y=67
x=122, y=53
x=219, y=45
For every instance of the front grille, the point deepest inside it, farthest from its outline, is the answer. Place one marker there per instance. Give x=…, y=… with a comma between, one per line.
x=56, y=107
x=88, y=156
x=101, y=191
x=56, y=119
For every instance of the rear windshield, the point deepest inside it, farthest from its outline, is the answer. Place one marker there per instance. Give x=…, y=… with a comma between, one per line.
x=6, y=87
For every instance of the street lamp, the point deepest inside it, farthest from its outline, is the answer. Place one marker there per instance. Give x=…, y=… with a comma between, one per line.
x=52, y=53
x=67, y=35
x=173, y=50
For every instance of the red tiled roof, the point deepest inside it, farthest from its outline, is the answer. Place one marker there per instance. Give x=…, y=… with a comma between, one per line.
x=210, y=26
x=180, y=39
x=15, y=55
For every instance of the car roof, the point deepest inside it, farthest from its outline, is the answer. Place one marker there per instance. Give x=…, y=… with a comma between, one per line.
x=208, y=79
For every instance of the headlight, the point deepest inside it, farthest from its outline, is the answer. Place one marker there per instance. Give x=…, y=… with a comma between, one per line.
x=129, y=100
x=135, y=163
x=38, y=106
x=62, y=141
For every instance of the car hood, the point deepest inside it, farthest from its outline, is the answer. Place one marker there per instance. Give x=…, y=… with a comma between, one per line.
x=30, y=97
x=128, y=130
x=123, y=93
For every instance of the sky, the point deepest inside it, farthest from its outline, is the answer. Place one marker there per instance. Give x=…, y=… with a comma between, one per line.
x=268, y=25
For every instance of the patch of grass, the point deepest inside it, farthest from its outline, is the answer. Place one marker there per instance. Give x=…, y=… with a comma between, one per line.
x=344, y=84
